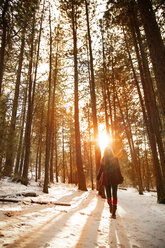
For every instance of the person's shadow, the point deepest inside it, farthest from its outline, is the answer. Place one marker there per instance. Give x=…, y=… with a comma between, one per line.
x=49, y=230
x=88, y=236
x=118, y=234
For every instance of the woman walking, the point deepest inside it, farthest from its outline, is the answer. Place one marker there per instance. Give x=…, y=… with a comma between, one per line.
x=110, y=176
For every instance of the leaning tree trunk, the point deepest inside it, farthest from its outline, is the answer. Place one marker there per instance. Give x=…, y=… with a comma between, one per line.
x=150, y=132
x=128, y=135
x=155, y=45
x=155, y=117
x=148, y=102
x=133, y=151
x=81, y=176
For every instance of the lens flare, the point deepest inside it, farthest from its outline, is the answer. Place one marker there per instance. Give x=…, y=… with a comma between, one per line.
x=103, y=141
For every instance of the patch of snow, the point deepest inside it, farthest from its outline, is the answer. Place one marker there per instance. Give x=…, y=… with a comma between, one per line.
x=140, y=221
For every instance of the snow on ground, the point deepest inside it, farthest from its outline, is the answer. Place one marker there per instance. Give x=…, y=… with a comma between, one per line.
x=85, y=224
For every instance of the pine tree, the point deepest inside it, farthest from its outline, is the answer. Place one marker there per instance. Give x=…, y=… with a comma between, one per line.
x=155, y=45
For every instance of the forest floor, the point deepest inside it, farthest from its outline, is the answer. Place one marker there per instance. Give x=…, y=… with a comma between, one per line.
x=86, y=223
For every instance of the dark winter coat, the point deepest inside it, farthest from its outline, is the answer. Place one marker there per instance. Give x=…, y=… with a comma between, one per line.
x=110, y=173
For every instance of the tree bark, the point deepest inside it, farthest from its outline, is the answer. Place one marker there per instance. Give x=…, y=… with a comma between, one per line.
x=155, y=118
x=155, y=45
x=90, y=149
x=29, y=112
x=63, y=154
x=53, y=120
x=55, y=147
x=3, y=43
x=20, y=146
x=37, y=57
x=81, y=176
x=148, y=102
x=11, y=137
x=48, y=126
x=93, y=101
x=104, y=86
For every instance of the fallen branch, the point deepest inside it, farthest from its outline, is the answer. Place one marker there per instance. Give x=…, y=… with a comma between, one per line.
x=26, y=194
x=32, y=201
x=51, y=202
x=10, y=200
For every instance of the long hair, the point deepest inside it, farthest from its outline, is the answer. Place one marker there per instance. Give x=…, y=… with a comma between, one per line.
x=108, y=156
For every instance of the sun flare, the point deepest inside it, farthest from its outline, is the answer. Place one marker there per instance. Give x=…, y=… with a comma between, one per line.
x=103, y=141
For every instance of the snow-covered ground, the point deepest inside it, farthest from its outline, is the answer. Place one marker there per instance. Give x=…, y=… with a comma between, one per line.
x=85, y=224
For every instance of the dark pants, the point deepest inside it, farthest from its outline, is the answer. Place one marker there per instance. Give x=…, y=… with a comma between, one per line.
x=111, y=190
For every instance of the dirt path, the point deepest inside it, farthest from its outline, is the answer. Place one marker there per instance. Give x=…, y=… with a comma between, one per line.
x=86, y=224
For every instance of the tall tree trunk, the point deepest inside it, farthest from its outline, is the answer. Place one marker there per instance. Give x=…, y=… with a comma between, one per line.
x=29, y=112
x=114, y=105
x=155, y=45
x=132, y=150
x=63, y=155
x=147, y=168
x=81, y=176
x=38, y=164
x=134, y=153
x=90, y=149
x=93, y=101
x=17, y=165
x=3, y=42
x=39, y=161
x=151, y=131
x=37, y=57
x=37, y=158
x=32, y=86
x=2, y=65
x=152, y=141
x=11, y=137
x=71, y=147
x=110, y=107
x=52, y=159
x=53, y=114
x=70, y=164
x=104, y=86
x=3, y=112
x=48, y=126
x=22, y=158
x=155, y=118
x=55, y=147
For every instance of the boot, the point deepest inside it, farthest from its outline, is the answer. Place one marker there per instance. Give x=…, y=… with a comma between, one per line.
x=114, y=207
x=110, y=207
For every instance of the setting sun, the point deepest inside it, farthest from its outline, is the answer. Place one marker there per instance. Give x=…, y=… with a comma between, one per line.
x=103, y=140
